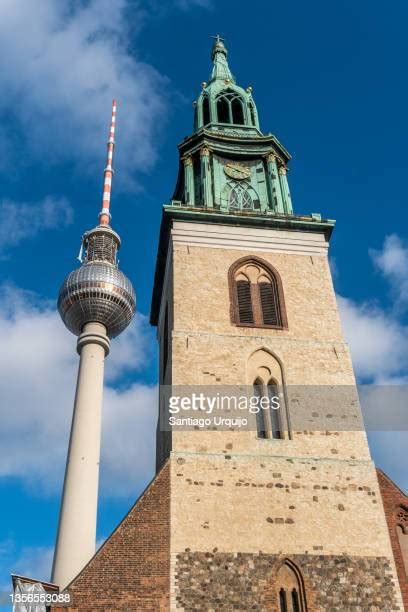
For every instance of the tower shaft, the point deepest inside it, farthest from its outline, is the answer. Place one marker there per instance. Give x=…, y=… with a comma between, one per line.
x=77, y=522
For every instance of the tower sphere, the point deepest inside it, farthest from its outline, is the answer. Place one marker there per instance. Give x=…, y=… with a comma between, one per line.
x=98, y=291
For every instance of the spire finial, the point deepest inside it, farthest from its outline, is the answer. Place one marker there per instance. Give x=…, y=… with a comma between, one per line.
x=104, y=215
x=219, y=57
x=218, y=46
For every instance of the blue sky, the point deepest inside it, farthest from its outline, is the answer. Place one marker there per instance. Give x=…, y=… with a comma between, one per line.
x=329, y=81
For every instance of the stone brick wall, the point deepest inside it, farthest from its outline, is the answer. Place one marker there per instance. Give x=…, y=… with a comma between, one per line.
x=302, y=496
x=131, y=571
x=202, y=300
x=393, y=498
x=244, y=581
x=289, y=505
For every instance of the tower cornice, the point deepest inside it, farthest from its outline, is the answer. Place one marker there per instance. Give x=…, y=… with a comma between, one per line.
x=227, y=142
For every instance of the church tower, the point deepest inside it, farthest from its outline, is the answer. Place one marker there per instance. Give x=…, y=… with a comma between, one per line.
x=284, y=514
x=270, y=517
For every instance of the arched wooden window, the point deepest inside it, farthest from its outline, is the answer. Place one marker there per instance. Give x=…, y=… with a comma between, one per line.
x=206, y=110
x=245, y=312
x=256, y=294
x=290, y=589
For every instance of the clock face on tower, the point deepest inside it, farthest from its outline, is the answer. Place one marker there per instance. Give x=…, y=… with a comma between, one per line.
x=237, y=172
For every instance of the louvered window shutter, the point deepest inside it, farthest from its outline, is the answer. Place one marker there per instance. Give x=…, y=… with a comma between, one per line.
x=245, y=311
x=269, y=304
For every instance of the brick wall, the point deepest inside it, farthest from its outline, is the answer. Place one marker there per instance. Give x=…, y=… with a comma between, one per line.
x=392, y=498
x=131, y=571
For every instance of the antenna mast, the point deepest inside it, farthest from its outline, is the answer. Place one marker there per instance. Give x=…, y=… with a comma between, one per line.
x=104, y=215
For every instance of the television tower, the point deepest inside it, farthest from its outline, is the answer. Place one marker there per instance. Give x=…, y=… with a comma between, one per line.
x=96, y=302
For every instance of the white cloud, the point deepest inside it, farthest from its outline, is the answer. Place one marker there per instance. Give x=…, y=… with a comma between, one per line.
x=20, y=220
x=37, y=384
x=392, y=261
x=62, y=63
x=378, y=341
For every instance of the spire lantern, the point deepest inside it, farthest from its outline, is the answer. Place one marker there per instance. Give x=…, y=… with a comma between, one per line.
x=222, y=101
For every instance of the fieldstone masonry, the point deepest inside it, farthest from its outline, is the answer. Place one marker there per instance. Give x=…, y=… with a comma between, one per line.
x=244, y=581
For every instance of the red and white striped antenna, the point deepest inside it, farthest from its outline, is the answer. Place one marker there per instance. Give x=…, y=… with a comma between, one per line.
x=104, y=215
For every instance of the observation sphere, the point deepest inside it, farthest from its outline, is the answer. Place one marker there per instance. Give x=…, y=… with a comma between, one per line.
x=97, y=292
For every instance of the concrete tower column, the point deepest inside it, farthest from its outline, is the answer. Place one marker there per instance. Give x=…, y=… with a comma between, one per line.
x=77, y=522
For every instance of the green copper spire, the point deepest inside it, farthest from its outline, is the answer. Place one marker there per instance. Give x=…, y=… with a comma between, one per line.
x=219, y=57
x=222, y=102
x=227, y=165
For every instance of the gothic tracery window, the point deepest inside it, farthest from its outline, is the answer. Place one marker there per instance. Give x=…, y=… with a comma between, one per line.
x=242, y=196
x=268, y=417
x=230, y=108
x=291, y=595
x=256, y=294
x=265, y=373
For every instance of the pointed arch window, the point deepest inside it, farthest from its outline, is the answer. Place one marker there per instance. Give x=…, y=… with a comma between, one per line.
x=256, y=294
x=283, y=604
x=291, y=592
x=242, y=196
x=252, y=113
x=237, y=111
x=230, y=108
x=261, y=421
x=206, y=110
x=274, y=410
x=234, y=199
x=223, y=110
x=268, y=417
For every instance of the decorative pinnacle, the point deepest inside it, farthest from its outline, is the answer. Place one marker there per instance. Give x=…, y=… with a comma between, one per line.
x=104, y=215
